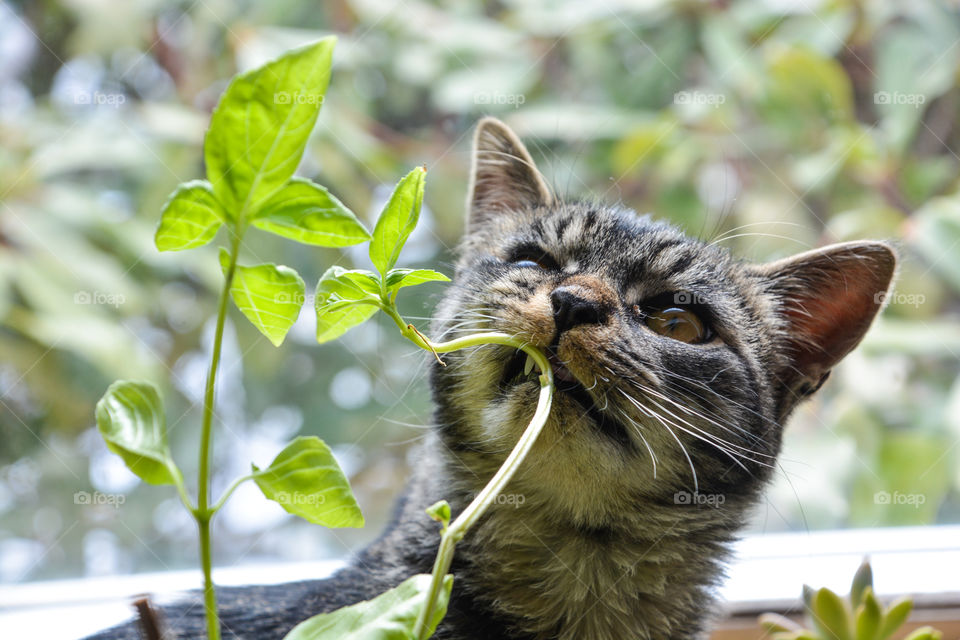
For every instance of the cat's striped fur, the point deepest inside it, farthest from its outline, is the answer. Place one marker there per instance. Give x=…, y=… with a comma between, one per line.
x=618, y=523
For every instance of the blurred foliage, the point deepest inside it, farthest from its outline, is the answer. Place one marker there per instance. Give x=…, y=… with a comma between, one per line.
x=764, y=125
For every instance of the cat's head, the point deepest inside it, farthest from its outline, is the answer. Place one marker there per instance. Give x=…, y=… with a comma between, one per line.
x=676, y=364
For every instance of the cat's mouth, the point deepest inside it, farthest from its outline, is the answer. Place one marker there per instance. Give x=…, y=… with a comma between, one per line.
x=521, y=368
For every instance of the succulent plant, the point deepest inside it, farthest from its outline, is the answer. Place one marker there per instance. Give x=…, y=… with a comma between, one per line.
x=859, y=616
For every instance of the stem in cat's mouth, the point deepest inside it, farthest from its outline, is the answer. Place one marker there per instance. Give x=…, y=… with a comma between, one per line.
x=518, y=370
x=469, y=516
x=521, y=366
x=560, y=371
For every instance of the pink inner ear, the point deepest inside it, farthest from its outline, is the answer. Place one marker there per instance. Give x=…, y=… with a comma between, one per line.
x=830, y=297
x=827, y=327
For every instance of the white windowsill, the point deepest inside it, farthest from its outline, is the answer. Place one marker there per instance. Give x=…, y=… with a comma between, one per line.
x=768, y=572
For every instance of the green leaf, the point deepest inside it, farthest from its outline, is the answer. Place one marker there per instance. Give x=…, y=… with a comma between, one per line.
x=335, y=320
x=397, y=220
x=260, y=127
x=440, y=511
x=338, y=283
x=869, y=615
x=345, y=298
x=306, y=212
x=190, y=218
x=895, y=615
x=399, y=278
x=831, y=617
x=862, y=580
x=306, y=481
x=270, y=296
x=390, y=616
x=925, y=633
x=130, y=418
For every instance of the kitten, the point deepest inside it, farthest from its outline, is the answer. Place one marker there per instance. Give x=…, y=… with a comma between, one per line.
x=676, y=368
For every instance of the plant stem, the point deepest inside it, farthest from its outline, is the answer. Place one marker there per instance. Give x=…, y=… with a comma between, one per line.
x=203, y=514
x=478, y=506
x=209, y=593
x=226, y=494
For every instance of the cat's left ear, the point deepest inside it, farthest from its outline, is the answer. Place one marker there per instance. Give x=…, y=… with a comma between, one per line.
x=503, y=177
x=827, y=299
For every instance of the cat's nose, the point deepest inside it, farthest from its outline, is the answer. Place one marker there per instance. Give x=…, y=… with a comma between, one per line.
x=573, y=306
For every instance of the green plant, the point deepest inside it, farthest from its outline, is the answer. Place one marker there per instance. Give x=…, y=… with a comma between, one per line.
x=255, y=141
x=860, y=616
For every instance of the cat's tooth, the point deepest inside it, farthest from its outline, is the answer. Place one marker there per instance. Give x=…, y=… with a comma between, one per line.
x=528, y=365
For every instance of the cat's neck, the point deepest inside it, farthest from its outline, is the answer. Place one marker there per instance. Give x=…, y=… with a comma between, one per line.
x=649, y=578
x=648, y=575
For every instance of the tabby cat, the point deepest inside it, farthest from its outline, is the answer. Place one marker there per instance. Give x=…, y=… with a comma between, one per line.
x=677, y=367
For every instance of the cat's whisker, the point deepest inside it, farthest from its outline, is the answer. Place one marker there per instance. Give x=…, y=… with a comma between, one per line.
x=759, y=234
x=700, y=434
x=725, y=400
x=638, y=430
x=606, y=403
x=646, y=389
x=721, y=237
x=699, y=383
x=683, y=449
x=695, y=414
x=729, y=448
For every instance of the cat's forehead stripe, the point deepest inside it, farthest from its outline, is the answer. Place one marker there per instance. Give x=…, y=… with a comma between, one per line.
x=633, y=247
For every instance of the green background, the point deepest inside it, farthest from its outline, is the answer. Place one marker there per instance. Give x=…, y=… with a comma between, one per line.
x=767, y=127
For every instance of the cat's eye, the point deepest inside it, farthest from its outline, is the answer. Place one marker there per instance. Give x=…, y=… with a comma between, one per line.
x=678, y=323
x=528, y=264
x=533, y=258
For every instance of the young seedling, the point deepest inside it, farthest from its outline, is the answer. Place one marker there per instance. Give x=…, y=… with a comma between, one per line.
x=256, y=139
x=257, y=136
x=860, y=616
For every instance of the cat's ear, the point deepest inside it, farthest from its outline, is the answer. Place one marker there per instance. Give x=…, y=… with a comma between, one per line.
x=827, y=299
x=503, y=177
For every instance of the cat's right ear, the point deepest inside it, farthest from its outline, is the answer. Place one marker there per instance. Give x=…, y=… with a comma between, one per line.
x=503, y=177
x=826, y=299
